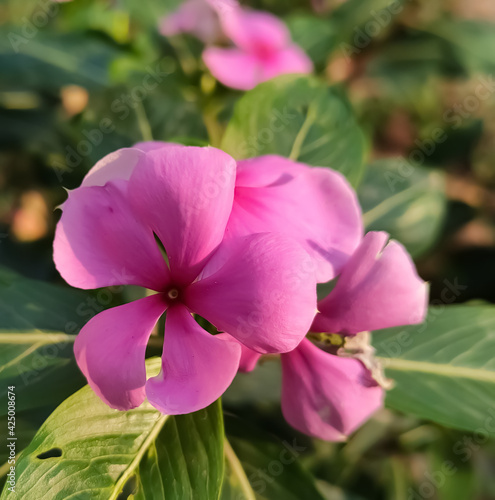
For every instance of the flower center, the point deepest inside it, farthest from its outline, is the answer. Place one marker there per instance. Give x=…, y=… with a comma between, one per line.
x=173, y=294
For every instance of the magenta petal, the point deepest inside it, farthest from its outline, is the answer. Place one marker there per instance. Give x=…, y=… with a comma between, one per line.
x=316, y=206
x=234, y=68
x=254, y=31
x=249, y=359
x=326, y=396
x=197, y=367
x=185, y=195
x=261, y=291
x=100, y=242
x=152, y=145
x=292, y=60
x=196, y=17
x=378, y=288
x=116, y=165
x=110, y=351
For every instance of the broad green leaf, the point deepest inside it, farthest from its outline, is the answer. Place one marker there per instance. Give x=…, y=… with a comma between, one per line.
x=86, y=450
x=235, y=485
x=40, y=365
x=444, y=370
x=27, y=424
x=263, y=468
x=37, y=326
x=27, y=303
x=47, y=61
x=408, y=201
x=299, y=118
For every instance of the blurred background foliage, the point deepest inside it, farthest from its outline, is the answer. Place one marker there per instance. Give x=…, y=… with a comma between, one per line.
x=418, y=74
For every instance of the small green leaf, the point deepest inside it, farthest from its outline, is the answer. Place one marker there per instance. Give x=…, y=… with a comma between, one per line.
x=444, y=370
x=299, y=118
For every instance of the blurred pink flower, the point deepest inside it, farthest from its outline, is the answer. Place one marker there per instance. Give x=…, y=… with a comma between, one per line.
x=254, y=287
x=263, y=50
x=200, y=18
x=329, y=396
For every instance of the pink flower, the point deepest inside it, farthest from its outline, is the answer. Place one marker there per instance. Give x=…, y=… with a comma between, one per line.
x=197, y=17
x=263, y=50
x=316, y=206
x=378, y=288
x=254, y=288
x=329, y=396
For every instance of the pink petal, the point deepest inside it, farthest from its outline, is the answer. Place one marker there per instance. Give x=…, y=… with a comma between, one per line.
x=268, y=170
x=378, y=288
x=233, y=67
x=100, y=242
x=110, y=351
x=185, y=195
x=256, y=32
x=314, y=205
x=151, y=145
x=222, y=7
x=249, y=359
x=195, y=17
x=197, y=367
x=260, y=292
x=116, y=165
x=292, y=60
x=326, y=396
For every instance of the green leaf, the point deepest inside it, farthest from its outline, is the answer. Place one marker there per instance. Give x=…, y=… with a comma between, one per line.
x=401, y=69
x=352, y=18
x=27, y=303
x=473, y=40
x=235, y=485
x=41, y=366
x=408, y=201
x=444, y=370
x=86, y=450
x=299, y=118
x=47, y=60
x=261, y=467
x=316, y=36
x=37, y=326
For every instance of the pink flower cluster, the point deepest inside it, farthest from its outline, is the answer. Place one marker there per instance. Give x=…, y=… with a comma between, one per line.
x=241, y=245
x=262, y=47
